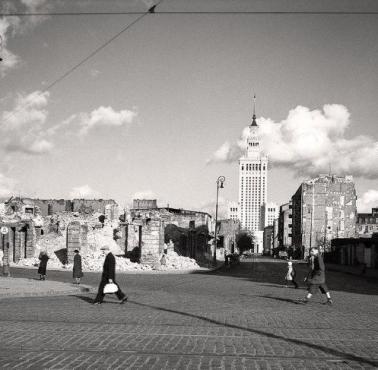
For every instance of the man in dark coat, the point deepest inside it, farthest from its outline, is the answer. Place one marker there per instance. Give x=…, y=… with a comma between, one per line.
x=108, y=276
x=77, y=271
x=316, y=276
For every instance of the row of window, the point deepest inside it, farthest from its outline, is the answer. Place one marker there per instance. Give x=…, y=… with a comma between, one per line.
x=253, y=167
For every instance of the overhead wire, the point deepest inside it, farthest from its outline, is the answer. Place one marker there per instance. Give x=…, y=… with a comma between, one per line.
x=81, y=62
x=257, y=12
x=142, y=15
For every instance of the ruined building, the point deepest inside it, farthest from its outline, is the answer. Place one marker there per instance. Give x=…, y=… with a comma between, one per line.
x=285, y=225
x=367, y=223
x=49, y=207
x=323, y=208
x=18, y=223
x=144, y=232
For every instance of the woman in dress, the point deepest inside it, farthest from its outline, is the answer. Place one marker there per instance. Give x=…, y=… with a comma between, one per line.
x=43, y=258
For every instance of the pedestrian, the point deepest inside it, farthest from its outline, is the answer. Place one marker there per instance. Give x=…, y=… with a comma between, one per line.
x=77, y=271
x=43, y=258
x=290, y=275
x=316, y=277
x=108, y=276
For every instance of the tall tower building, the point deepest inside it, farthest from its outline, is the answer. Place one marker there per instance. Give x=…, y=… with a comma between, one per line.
x=253, y=183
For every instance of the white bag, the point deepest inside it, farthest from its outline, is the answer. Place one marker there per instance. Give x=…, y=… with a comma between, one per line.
x=110, y=288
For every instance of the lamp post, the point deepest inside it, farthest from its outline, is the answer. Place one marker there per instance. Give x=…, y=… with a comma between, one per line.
x=220, y=181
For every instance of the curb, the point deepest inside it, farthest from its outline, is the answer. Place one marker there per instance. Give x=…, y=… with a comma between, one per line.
x=51, y=292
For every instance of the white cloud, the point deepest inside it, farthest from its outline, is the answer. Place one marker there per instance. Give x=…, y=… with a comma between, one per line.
x=309, y=142
x=41, y=146
x=84, y=192
x=11, y=26
x=23, y=127
x=368, y=201
x=105, y=116
x=144, y=194
x=37, y=147
x=7, y=186
x=28, y=110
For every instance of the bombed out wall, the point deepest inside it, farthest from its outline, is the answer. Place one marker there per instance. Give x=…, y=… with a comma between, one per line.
x=49, y=207
x=146, y=232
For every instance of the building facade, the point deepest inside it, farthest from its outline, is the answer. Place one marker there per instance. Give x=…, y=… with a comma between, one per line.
x=323, y=209
x=268, y=240
x=270, y=213
x=367, y=223
x=233, y=211
x=356, y=251
x=285, y=225
x=253, y=184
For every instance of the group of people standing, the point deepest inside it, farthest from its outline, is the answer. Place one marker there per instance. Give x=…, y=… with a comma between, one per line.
x=315, y=278
x=77, y=270
x=108, y=273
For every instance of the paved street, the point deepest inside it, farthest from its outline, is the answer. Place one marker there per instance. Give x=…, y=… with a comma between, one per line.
x=241, y=318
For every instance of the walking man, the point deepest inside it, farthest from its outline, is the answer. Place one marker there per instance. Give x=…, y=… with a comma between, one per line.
x=316, y=277
x=108, y=276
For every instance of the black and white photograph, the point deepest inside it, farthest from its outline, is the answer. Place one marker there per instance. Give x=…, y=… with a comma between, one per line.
x=188, y=184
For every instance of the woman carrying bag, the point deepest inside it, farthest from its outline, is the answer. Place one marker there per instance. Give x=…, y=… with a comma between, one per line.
x=108, y=279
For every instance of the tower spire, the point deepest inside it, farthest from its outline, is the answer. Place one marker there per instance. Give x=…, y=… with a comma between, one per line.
x=254, y=123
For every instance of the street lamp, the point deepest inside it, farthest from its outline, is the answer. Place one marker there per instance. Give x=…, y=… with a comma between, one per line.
x=220, y=181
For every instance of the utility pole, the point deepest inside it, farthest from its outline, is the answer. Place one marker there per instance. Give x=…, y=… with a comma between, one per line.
x=5, y=230
x=220, y=181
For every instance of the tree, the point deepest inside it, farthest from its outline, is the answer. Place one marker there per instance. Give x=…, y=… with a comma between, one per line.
x=244, y=241
x=101, y=218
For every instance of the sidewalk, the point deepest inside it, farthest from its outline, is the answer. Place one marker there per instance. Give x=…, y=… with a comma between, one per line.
x=19, y=287
x=352, y=270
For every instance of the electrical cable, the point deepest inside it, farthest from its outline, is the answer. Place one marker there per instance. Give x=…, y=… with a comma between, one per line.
x=77, y=65
x=314, y=12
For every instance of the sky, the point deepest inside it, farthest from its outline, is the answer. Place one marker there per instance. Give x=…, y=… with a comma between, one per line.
x=161, y=110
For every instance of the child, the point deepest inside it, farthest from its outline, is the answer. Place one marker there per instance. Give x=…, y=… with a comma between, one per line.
x=290, y=275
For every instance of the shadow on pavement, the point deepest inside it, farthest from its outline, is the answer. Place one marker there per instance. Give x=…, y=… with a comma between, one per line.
x=84, y=298
x=288, y=300
x=90, y=300
x=331, y=351
x=274, y=273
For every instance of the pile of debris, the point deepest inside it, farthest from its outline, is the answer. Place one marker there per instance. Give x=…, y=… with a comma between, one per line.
x=93, y=258
x=172, y=261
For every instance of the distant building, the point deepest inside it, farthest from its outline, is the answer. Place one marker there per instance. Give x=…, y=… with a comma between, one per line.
x=275, y=234
x=270, y=213
x=367, y=223
x=144, y=203
x=232, y=211
x=253, y=185
x=285, y=225
x=323, y=209
x=268, y=239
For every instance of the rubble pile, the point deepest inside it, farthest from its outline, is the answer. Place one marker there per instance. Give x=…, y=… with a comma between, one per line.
x=175, y=262
x=52, y=239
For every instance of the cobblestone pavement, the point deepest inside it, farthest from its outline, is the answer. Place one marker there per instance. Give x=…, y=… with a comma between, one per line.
x=241, y=318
